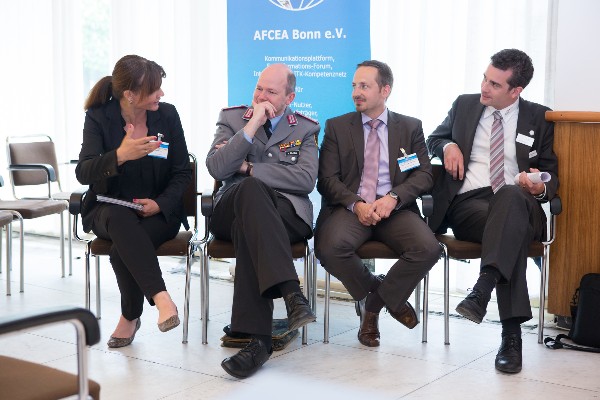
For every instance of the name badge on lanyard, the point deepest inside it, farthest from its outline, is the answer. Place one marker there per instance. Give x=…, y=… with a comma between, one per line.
x=408, y=162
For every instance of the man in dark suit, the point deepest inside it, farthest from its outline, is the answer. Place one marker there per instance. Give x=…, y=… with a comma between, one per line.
x=266, y=156
x=488, y=143
x=372, y=166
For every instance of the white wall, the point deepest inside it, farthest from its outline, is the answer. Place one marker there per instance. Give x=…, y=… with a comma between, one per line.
x=576, y=86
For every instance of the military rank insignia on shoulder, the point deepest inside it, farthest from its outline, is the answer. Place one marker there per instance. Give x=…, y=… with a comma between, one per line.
x=305, y=117
x=234, y=107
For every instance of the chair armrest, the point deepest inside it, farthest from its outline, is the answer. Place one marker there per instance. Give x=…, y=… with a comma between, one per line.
x=53, y=315
x=427, y=205
x=206, y=203
x=28, y=167
x=76, y=199
x=555, y=205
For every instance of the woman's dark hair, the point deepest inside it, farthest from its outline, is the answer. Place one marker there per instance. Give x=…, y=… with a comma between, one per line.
x=131, y=72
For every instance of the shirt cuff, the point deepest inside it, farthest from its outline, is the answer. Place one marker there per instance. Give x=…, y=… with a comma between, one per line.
x=542, y=195
x=446, y=145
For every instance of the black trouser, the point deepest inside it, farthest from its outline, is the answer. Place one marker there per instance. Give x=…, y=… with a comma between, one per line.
x=132, y=255
x=261, y=223
x=505, y=224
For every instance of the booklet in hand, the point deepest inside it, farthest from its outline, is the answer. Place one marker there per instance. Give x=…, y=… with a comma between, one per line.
x=112, y=200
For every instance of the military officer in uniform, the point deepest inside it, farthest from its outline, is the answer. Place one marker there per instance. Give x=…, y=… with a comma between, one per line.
x=266, y=158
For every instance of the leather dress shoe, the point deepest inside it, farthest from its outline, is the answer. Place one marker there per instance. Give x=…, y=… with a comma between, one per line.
x=368, y=333
x=406, y=316
x=510, y=358
x=474, y=306
x=248, y=360
x=115, y=342
x=298, y=311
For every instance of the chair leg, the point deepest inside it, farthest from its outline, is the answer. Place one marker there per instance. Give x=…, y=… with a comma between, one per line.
x=326, y=308
x=446, y=294
x=9, y=257
x=88, y=295
x=544, y=271
x=16, y=216
x=418, y=300
x=204, y=294
x=425, y=307
x=306, y=288
x=62, y=243
x=186, y=305
x=21, y=251
x=70, y=241
x=98, y=302
x=1, y=249
x=313, y=266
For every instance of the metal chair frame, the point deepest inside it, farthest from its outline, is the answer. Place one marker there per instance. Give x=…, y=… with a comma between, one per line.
x=50, y=169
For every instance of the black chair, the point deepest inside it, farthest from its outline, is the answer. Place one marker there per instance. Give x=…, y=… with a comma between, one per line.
x=25, y=380
x=214, y=248
x=184, y=244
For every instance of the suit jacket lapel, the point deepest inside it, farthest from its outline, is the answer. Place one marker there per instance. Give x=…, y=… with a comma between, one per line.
x=394, y=144
x=524, y=127
x=470, y=127
x=357, y=136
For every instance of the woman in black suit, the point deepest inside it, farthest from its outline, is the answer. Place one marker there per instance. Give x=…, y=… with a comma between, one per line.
x=125, y=122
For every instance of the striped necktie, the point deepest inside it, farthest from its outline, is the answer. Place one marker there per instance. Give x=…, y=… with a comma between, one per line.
x=497, y=153
x=368, y=190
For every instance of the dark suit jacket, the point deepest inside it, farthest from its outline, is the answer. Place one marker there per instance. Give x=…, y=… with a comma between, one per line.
x=341, y=161
x=103, y=133
x=460, y=126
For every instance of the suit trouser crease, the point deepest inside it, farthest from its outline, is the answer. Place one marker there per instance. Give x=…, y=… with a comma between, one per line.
x=133, y=253
x=404, y=231
x=262, y=226
x=497, y=222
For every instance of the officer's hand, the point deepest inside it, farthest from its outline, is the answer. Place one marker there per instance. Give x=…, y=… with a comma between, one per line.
x=262, y=112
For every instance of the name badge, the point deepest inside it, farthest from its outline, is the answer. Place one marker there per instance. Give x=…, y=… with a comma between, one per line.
x=526, y=140
x=161, y=152
x=408, y=162
x=532, y=154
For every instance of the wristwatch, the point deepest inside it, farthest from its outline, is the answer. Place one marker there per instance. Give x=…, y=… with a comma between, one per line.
x=393, y=195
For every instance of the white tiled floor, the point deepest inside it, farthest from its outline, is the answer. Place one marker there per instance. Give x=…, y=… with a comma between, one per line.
x=158, y=366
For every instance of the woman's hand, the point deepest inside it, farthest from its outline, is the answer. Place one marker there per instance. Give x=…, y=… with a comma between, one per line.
x=132, y=149
x=150, y=207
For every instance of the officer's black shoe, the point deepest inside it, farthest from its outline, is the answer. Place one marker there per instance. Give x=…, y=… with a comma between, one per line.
x=247, y=360
x=298, y=311
x=474, y=306
x=509, y=358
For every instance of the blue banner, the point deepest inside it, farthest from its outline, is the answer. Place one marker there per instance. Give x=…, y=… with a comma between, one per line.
x=320, y=40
